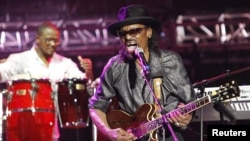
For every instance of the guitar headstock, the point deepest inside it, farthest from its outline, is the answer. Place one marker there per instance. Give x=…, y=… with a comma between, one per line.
x=226, y=91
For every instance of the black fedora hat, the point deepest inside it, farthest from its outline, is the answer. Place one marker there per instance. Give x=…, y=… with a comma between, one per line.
x=133, y=14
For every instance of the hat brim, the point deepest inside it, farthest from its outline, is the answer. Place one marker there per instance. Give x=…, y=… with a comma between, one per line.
x=148, y=21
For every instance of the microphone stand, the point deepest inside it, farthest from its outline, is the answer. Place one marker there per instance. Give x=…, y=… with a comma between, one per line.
x=228, y=73
x=201, y=86
x=146, y=78
x=201, y=94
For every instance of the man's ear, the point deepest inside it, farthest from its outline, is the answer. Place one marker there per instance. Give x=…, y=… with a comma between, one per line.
x=37, y=39
x=149, y=32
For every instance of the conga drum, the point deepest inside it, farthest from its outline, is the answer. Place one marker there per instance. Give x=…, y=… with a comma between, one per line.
x=30, y=110
x=72, y=100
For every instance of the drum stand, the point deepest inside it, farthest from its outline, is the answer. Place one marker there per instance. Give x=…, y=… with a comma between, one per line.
x=2, y=115
x=94, y=132
x=57, y=109
x=94, y=129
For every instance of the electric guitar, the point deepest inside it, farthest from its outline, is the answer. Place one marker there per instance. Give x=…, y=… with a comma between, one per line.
x=144, y=121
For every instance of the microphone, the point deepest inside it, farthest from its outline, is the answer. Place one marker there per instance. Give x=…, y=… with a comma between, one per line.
x=140, y=55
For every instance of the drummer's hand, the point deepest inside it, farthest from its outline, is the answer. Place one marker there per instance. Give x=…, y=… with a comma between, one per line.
x=87, y=65
x=95, y=83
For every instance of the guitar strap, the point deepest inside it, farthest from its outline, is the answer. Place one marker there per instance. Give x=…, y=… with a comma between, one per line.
x=156, y=71
x=157, y=88
x=157, y=91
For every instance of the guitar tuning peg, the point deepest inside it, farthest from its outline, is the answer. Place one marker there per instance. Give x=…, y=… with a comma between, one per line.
x=227, y=84
x=233, y=82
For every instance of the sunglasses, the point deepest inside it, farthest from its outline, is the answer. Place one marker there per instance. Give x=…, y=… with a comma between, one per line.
x=49, y=40
x=132, y=32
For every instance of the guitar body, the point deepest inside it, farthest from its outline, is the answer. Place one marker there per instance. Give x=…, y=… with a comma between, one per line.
x=120, y=119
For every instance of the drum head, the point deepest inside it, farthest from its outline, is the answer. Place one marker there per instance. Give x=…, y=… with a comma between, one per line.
x=27, y=76
x=77, y=80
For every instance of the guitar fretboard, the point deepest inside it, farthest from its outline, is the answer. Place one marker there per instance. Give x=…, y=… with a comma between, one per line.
x=192, y=106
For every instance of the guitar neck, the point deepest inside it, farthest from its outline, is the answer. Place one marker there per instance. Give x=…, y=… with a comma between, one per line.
x=192, y=106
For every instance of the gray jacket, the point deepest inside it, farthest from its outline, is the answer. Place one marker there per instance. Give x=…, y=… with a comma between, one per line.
x=120, y=78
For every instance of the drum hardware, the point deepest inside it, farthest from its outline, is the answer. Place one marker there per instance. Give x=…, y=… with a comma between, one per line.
x=58, y=113
x=21, y=92
x=34, y=89
x=80, y=86
x=4, y=96
x=53, y=95
x=70, y=87
x=33, y=93
x=9, y=94
x=3, y=92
